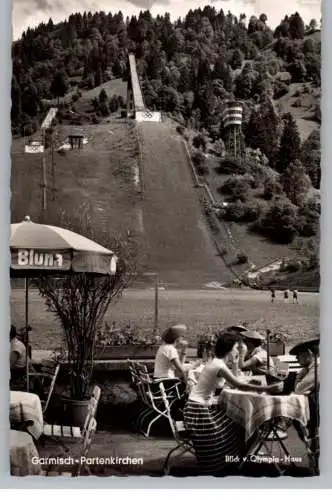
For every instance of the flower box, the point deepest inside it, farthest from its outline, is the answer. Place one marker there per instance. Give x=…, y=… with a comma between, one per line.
x=125, y=352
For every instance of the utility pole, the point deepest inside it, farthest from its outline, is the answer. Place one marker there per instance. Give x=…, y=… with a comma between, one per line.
x=156, y=301
x=53, y=165
x=44, y=188
x=156, y=305
x=44, y=179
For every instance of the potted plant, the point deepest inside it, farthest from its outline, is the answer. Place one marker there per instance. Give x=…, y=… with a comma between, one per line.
x=80, y=301
x=124, y=343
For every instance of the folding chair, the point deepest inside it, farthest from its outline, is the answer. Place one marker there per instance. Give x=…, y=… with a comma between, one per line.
x=58, y=432
x=49, y=373
x=180, y=434
x=148, y=393
x=80, y=461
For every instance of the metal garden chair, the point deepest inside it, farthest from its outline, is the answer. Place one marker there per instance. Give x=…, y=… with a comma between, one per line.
x=149, y=395
x=180, y=434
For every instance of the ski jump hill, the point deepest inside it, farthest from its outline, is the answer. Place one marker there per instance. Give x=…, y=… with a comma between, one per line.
x=178, y=241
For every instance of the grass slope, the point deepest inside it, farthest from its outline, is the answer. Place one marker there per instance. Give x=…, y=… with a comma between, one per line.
x=116, y=86
x=301, y=105
x=101, y=176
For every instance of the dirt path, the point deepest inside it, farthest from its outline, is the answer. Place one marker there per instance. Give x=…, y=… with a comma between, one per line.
x=179, y=244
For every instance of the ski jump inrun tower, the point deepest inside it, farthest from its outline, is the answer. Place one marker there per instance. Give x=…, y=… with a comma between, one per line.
x=135, y=103
x=232, y=122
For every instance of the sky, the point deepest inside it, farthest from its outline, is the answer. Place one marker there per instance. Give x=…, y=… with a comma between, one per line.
x=29, y=13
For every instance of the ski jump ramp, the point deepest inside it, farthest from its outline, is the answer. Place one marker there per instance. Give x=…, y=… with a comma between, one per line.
x=135, y=103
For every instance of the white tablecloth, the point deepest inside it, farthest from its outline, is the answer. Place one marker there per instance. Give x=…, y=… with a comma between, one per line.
x=252, y=410
x=23, y=455
x=25, y=408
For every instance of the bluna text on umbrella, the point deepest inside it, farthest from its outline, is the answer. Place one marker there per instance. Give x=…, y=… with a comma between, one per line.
x=33, y=258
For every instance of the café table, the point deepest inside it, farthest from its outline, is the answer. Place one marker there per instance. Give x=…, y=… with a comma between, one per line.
x=26, y=413
x=259, y=414
x=23, y=455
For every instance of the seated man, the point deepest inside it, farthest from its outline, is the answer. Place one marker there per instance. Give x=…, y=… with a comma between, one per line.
x=306, y=353
x=307, y=382
x=18, y=358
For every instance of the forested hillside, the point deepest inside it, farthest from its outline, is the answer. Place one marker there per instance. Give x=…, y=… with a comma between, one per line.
x=188, y=68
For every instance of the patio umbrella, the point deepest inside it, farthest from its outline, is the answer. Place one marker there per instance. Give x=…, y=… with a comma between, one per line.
x=41, y=249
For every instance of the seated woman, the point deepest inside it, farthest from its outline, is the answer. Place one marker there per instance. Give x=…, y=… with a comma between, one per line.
x=168, y=361
x=252, y=356
x=214, y=435
x=205, y=353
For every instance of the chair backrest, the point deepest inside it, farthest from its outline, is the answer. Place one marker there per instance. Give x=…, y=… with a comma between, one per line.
x=92, y=408
x=52, y=385
x=143, y=374
x=143, y=382
x=86, y=444
x=133, y=372
x=172, y=423
x=139, y=372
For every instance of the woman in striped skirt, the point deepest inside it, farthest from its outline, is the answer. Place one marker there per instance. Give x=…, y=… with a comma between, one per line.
x=214, y=435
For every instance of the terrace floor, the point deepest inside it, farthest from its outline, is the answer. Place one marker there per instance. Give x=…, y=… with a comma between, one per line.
x=153, y=451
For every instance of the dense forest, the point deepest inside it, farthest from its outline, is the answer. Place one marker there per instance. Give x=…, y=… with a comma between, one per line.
x=188, y=68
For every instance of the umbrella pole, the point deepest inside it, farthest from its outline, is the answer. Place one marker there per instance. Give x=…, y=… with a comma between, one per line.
x=26, y=329
x=268, y=349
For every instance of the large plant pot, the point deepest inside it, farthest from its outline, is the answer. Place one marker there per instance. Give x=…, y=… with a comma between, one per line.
x=125, y=352
x=76, y=412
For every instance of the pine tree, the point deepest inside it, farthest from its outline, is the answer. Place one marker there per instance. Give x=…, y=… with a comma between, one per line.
x=16, y=108
x=103, y=97
x=296, y=26
x=30, y=98
x=263, y=130
x=237, y=59
x=295, y=182
x=59, y=85
x=310, y=157
x=290, y=144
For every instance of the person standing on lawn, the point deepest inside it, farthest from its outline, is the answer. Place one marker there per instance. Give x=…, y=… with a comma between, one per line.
x=295, y=297
x=273, y=294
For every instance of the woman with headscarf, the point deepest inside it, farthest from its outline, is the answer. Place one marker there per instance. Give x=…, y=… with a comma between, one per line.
x=252, y=356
